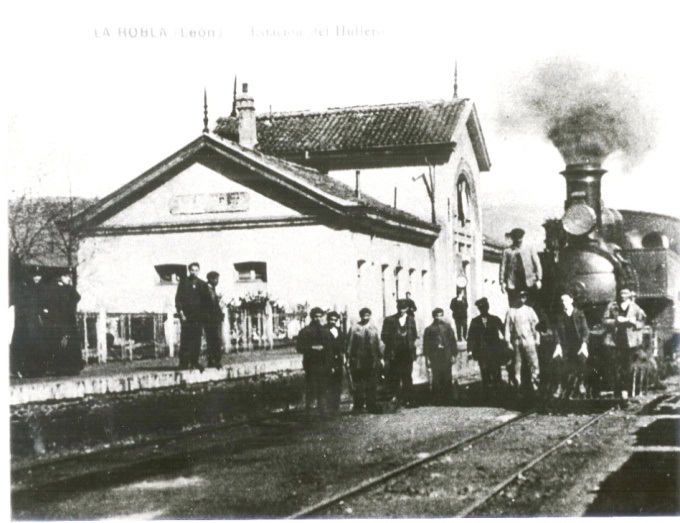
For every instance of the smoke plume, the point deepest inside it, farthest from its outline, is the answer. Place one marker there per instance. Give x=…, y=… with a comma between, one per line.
x=586, y=112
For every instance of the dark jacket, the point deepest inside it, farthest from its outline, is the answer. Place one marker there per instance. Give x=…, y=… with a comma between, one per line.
x=213, y=310
x=337, y=349
x=578, y=320
x=363, y=346
x=62, y=305
x=439, y=343
x=315, y=343
x=390, y=335
x=485, y=341
x=531, y=265
x=192, y=294
x=459, y=307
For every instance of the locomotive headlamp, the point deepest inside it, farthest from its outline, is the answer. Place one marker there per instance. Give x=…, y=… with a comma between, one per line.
x=579, y=219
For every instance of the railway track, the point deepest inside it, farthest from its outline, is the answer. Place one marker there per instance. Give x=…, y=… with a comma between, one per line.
x=333, y=505
x=120, y=459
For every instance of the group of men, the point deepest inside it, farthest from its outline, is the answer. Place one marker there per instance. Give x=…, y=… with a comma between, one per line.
x=45, y=339
x=571, y=369
x=198, y=308
x=369, y=355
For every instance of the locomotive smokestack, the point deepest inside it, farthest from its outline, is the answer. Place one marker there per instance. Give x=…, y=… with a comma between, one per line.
x=583, y=205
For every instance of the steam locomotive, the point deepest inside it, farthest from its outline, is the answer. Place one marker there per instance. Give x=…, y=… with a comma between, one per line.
x=598, y=251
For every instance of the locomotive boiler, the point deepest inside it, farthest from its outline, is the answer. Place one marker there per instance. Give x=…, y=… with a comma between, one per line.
x=600, y=251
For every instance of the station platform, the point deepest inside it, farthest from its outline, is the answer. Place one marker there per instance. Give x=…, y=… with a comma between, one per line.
x=128, y=376
x=139, y=375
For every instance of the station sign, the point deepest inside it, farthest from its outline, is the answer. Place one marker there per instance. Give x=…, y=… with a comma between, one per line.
x=210, y=203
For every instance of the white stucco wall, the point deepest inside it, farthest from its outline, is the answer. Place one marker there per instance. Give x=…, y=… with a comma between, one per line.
x=498, y=302
x=155, y=208
x=446, y=262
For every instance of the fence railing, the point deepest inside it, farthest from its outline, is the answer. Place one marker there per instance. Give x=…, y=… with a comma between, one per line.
x=134, y=336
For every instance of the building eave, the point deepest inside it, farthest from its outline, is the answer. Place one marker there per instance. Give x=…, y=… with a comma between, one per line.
x=211, y=151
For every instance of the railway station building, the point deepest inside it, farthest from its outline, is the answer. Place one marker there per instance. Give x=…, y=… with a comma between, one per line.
x=343, y=208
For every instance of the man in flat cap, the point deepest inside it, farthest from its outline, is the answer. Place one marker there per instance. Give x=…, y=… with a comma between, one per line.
x=439, y=346
x=623, y=321
x=486, y=345
x=335, y=365
x=521, y=335
x=363, y=353
x=399, y=334
x=214, y=316
x=520, y=269
x=315, y=344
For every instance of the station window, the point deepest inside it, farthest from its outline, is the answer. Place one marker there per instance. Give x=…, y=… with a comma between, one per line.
x=171, y=272
x=251, y=272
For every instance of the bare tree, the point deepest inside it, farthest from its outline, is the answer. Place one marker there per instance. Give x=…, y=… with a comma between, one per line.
x=39, y=231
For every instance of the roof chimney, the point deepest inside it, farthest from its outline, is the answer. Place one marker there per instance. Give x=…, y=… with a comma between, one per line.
x=247, y=132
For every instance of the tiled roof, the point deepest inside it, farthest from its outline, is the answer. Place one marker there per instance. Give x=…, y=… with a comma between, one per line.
x=335, y=188
x=353, y=128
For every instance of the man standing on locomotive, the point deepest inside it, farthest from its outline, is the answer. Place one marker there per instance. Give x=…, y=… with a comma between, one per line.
x=624, y=320
x=521, y=335
x=520, y=269
x=571, y=351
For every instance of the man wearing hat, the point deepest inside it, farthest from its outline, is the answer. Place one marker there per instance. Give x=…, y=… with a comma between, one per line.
x=61, y=327
x=28, y=355
x=459, y=308
x=521, y=335
x=399, y=334
x=315, y=344
x=190, y=302
x=363, y=353
x=439, y=346
x=335, y=364
x=520, y=268
x=624, y=321
x=486, y=345
x=214, y=316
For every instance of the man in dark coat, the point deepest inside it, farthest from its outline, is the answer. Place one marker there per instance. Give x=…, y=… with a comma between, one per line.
x=571, y=352
x=61, y=328
x=412, y=308
x=399, y=334
x=363, y=353
x=190, y=302
x=336, y=363
x=459, y=312
x=439, y=346
x=520, y=270
x=486, y=345
x=214, y=316
x=315, y=343
x=28, y=356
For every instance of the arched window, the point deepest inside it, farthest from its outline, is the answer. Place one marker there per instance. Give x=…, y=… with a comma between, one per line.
x=463, y=202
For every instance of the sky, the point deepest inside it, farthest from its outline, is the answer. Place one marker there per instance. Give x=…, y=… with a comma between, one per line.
x=98, y=92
